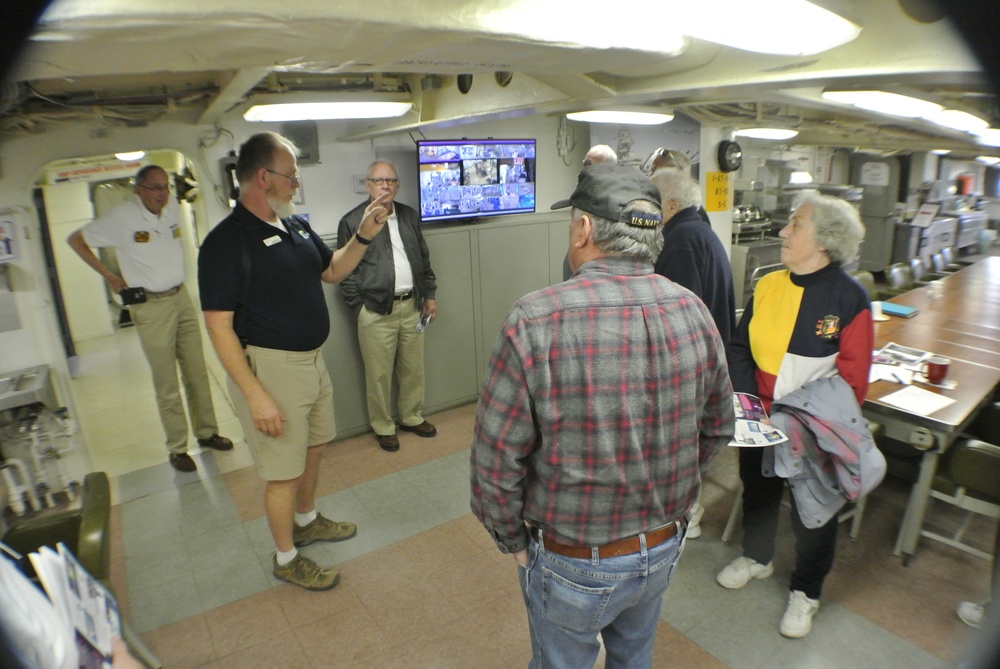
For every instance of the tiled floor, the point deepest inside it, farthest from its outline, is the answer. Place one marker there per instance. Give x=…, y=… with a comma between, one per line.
x=422, y=584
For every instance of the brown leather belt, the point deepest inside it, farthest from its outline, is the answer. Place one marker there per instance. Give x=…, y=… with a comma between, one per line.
x=166, y=293
x=403, y=296
x=624, y=546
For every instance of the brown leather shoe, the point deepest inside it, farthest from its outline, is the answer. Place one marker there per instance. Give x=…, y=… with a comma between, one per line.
x=182, y=462
x=388, y=442
x=216, y=442
x=425, y=429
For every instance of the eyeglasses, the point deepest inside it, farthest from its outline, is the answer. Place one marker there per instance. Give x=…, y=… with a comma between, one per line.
x=384, y=180
x=158, y=188
x=294, y=178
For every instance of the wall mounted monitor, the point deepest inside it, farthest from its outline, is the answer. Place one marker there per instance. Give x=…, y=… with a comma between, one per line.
x=467, y=179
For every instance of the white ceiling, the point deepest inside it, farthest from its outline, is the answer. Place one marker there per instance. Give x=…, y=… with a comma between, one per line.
x=121, y=61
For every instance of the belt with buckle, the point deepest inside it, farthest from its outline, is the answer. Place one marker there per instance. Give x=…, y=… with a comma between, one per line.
x=624, y=546
x=166, y=293
x=403, y=296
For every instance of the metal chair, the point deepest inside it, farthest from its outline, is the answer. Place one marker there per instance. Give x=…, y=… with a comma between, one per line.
x=899, y=277
x=919, y=269
x=951, y=259
x=968, y=477
x=867, y=281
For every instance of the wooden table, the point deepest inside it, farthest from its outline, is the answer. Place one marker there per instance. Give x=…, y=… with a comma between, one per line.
x=964, y=325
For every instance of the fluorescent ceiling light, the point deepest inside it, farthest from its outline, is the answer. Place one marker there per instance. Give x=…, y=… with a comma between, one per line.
x=130, y=155
x=766, y=133
x=988, y=160
x=326, y=106
x=800, y=178
x=783, y=27
x=941, y=152
x=621, y=117
x=885, y=103
x=958, y=120
x=989, y=136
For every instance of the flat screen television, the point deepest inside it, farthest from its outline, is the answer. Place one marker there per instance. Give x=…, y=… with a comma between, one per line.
x=472, y=178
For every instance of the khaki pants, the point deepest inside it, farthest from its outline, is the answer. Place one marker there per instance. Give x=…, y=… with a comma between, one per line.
x=169, y=334
x=392, y=343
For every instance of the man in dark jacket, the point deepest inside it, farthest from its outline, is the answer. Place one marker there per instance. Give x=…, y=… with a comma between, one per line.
x=394, y=286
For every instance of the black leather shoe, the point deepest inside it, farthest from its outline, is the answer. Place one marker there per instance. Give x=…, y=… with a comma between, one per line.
x=424, y=429
x=182, y=462
x=388, y=442
x=216, y=442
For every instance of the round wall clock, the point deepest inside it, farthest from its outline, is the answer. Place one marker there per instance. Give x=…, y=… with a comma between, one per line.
x=730, y=156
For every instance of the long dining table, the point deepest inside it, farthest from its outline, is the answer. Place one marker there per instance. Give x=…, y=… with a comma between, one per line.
x=963, y=324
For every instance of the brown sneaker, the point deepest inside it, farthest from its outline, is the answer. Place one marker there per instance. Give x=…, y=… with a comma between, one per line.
x=305, y=573
x=424, y=429
x=323, y=529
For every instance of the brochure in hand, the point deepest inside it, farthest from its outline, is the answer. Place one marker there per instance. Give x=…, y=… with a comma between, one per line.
x=750, y=428
x=85, y=605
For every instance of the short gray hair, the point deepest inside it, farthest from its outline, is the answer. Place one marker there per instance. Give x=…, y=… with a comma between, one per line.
x=839, y=229
x=619, y=239
x=601, y=153
x=675, y=184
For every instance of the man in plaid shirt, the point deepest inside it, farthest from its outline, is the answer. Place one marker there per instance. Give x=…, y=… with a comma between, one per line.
x=606, y=397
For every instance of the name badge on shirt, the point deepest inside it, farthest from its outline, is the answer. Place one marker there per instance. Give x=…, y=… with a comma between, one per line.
x=141, y=236
x=271, y=241
x=176, y=232
x=304, y=234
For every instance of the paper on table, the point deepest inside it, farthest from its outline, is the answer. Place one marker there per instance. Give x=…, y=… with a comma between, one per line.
x=894, y=373
x=917, y=400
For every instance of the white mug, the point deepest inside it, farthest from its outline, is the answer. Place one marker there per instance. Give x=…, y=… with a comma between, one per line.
x=876, y=310
x=935, y=289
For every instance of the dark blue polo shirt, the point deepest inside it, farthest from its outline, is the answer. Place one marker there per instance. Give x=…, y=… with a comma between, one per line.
x=287, y=307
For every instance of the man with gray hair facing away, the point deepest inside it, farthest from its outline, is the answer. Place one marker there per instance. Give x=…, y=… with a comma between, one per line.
x=694, y=257
x=605, y=397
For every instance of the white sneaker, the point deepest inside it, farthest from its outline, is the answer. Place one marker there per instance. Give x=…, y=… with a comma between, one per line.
x=694, y=521
x=798, y=619
x=739, y=572
x=971, y=614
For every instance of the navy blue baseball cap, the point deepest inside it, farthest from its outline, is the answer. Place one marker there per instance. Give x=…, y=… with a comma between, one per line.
x=608, y=190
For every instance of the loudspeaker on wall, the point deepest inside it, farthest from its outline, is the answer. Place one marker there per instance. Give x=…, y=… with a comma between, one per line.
x=306, y=137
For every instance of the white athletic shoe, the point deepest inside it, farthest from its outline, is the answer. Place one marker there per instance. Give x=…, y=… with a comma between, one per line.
x=739, y=572
x=694, y=521
x=971, y=614
x=798, y=619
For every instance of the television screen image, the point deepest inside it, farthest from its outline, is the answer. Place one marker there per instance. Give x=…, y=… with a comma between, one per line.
x=466, y=179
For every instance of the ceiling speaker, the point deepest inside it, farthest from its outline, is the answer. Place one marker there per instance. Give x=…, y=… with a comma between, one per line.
x=503, y=78
x=464, y=83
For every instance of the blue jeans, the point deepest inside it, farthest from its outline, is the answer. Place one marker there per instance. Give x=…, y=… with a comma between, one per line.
x=570, y=601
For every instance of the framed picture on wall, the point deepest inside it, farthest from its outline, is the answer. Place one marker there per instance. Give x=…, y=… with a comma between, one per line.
x=8, y=239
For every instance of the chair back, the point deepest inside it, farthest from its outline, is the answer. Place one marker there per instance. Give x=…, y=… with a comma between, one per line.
x=938, y=262
x=948, y=255
x=899, y=276
x=918, y=268
x=867, y=281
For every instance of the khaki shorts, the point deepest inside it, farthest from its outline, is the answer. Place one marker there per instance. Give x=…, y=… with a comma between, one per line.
x=299, y=384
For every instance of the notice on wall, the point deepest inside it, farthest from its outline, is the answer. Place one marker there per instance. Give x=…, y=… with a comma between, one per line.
x=718, y=191
x=875, y=174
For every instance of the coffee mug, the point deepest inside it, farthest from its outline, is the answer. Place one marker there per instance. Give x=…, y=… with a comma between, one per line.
x=936, y=369
x=877, y=310
x=935, y=289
